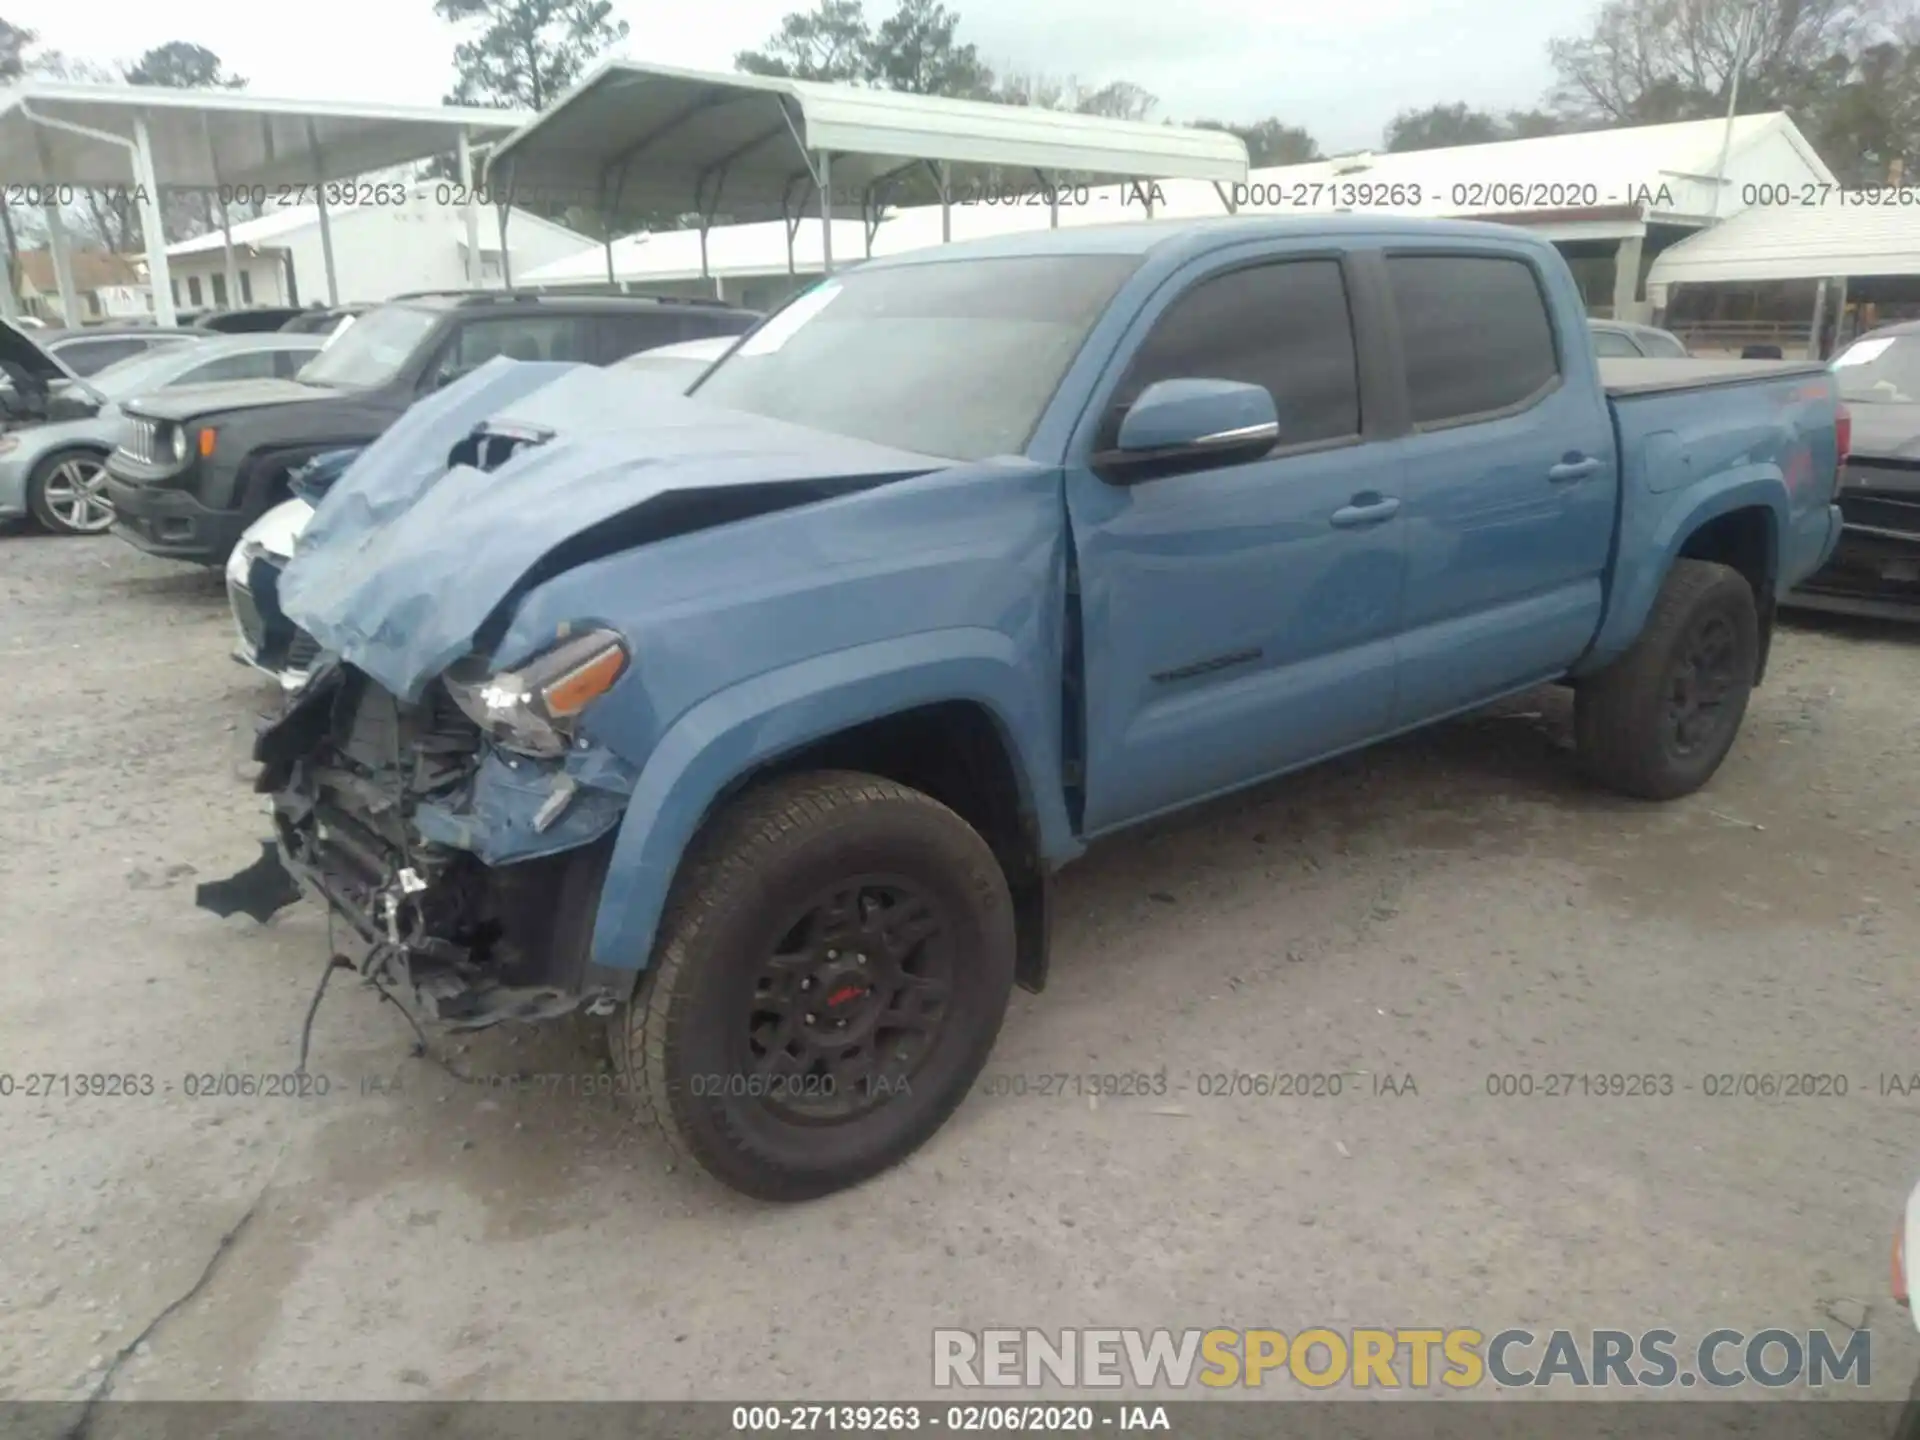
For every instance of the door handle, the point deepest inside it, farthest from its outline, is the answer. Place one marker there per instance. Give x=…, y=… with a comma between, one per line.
x=1365, y=510
x=1574, y=470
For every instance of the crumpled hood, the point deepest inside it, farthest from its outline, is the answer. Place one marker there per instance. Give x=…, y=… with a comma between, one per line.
x=407, y=558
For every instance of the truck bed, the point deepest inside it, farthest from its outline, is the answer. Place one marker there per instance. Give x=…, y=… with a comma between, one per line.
x=1644, y=377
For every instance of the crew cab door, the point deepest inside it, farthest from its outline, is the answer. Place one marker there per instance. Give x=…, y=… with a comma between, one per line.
x=1237, y=620
x=1511, y=477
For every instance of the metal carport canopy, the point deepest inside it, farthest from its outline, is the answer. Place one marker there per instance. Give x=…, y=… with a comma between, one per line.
x=650, y=137
x=1792, y=242
x=149, y=136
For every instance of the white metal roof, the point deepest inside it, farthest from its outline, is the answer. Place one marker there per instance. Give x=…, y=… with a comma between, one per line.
x=261, y=230
x=1793, y=242
x=1574, y=175
x=664, y=138
x=227, y=137
x=278, y=224
x=1665, y=172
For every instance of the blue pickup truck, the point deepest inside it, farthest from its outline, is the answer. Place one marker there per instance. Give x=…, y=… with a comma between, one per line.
x=757, y=720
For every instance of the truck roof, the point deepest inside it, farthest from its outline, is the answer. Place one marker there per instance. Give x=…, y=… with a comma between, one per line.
x=1188, y=237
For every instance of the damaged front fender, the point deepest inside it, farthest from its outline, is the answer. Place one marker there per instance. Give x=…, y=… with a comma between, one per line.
x=520, y=808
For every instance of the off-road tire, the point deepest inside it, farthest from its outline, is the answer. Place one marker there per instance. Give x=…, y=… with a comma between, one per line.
x=753, y=862
x=1623, y=728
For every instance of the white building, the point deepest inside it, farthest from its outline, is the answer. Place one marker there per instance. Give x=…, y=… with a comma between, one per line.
x=379, y=250
x=1611, y=200
x=107, y=287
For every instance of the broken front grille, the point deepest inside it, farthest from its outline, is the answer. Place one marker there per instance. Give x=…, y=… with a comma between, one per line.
x=302, y=651
x=246, y=614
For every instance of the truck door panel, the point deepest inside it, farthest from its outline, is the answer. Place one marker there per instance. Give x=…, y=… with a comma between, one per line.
x=1511, y=488
x=1239, y=620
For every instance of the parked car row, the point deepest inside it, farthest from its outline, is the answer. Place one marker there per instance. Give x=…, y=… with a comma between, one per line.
x=271, y=643
x=54, y=469
x=281, y=403
x=196, y=468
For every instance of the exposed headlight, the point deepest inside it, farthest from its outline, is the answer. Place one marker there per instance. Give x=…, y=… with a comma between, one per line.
x=532, y=708
x=177, y=443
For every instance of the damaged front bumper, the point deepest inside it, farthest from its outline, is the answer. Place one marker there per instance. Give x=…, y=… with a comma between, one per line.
x=469, y=876
x=265, y=639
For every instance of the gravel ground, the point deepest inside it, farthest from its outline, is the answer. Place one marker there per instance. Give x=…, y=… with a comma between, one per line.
x=1442, y=910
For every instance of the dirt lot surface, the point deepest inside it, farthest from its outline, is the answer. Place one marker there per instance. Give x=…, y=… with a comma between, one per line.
x=1443, y=910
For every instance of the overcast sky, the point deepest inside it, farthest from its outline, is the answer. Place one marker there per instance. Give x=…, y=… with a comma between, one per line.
x=1341, y=68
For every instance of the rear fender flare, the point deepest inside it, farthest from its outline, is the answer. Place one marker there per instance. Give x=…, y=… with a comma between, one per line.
x=748, y=725
x=1645, y=560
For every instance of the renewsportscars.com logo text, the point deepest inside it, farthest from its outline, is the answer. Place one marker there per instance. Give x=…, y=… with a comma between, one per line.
x=1412, y=1359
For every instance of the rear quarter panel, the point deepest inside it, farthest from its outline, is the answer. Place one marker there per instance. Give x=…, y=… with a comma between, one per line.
x=1689, y=456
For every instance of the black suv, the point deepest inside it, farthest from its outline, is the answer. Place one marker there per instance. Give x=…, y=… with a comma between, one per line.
x=196, y=466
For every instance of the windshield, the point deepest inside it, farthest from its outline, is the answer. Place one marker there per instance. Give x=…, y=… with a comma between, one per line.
x=371, y=352
x=137, y=373
x=956, y=358
x=1882, y=370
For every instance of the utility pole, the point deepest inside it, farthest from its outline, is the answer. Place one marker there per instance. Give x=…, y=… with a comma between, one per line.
x=1741, y=41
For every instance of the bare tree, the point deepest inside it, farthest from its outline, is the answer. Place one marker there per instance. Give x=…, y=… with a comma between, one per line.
x=1651, y=61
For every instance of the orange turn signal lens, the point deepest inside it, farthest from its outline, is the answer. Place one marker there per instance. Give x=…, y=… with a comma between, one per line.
x=206, y=443
x=584, y=684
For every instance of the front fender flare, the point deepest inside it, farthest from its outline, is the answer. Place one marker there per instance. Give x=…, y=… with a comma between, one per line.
x=1645, y=559
x=751, y=723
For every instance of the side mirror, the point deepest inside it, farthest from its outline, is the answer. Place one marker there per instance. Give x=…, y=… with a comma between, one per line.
x=1178, y=425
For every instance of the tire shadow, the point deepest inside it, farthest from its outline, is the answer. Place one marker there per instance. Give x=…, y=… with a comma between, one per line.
x=1861, y=629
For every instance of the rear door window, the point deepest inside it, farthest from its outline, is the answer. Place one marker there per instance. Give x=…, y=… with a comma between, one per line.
x=518, y=337
x=625, y=333
x=1475, y=335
